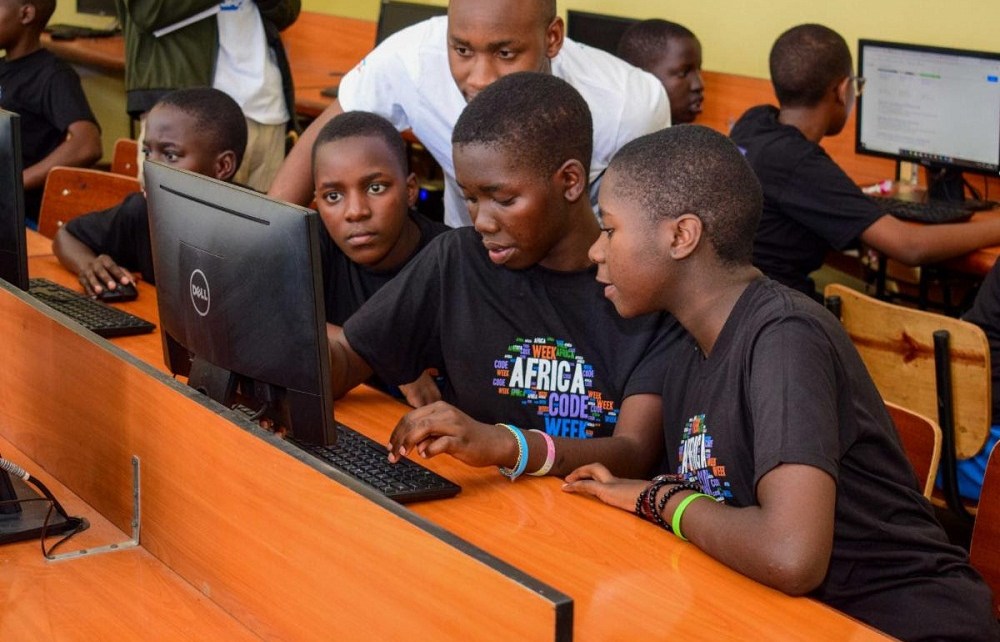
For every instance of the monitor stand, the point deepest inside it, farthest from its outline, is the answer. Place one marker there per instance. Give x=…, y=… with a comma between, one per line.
x=26, y=519
x=948, y=184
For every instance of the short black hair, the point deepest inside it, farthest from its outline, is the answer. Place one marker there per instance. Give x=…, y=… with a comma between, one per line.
x=691, y=169
x=220, y=120
x=362, y=123
x=540, y=118
x=43, y=11
x=805, y=62
x=644, y=43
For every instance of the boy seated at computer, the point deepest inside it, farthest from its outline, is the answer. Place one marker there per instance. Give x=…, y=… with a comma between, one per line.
x=57, y=125
x=199, y=129
x=672, y=53
x=541, y=374
x=810, y=204
x=782, y=460
x=365, y=195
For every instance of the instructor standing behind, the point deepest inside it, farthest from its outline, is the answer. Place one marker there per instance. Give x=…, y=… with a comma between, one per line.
x=422, y=77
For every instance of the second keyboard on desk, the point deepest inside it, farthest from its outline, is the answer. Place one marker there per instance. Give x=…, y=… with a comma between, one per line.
x=97, y=317
x=367, y=461
x=922, y=212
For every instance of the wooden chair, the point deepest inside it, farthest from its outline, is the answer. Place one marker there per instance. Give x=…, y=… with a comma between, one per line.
x=921, y=437
x=72, y=191
x=124, y=158
x=935, y=365
x=984, y=553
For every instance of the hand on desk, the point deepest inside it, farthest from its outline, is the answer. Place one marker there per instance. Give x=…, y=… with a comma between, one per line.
x=423, y=391
x=103, y=273
x=597, y=481
x=442, y=428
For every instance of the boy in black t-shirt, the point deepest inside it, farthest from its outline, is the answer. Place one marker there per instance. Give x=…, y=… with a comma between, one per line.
x=365, y=195
x=508, y=310
x=672, y=53
x=784, y=462
x=201, y=130
x=810, y=204
x=57, y=126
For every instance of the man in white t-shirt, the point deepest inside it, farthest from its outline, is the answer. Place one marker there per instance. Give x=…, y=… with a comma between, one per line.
x=246, y=69
x=422, y=77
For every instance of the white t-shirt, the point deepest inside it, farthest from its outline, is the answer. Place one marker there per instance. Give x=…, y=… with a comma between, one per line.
x=245, y=67
x=407, y=80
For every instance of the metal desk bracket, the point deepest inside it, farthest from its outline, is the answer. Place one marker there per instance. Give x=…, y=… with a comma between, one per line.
x=132, y=543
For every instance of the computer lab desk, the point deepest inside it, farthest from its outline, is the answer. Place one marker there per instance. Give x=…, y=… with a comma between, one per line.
x=289, y=550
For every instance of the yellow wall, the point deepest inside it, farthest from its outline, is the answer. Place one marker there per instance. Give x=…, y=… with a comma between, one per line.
x=736, y=35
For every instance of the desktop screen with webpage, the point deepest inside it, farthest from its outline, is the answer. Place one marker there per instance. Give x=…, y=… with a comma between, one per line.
x=930, y=105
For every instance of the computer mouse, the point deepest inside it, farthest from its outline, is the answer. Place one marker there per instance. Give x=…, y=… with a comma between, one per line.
x=122, y=292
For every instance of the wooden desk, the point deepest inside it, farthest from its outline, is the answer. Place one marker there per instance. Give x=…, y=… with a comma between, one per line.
x=318, y=45
x=127, y=595
x=627, y=578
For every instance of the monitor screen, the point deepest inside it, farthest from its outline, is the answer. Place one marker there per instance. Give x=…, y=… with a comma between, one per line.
x=238, y=282
x=934, y=106
x=597, y=30
x=96, y=7
x=13, y=244
x=394, y=16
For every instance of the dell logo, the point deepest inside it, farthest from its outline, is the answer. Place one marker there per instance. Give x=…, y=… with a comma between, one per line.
x=200, y=295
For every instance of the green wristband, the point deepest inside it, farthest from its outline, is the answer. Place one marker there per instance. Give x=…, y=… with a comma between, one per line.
x=675, y=523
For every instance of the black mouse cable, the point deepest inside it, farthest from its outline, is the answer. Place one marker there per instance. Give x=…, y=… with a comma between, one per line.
x=76, y=523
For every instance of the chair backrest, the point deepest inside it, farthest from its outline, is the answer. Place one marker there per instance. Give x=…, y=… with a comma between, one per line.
x=921, y=437
x=897, y=345
x=72, y=191
x=124, y=158
x=984, y=552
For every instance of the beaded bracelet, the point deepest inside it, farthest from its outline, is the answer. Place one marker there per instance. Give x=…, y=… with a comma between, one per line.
x=643, y=505
x=550, y=454
x=658, y=510
x=522, y=453
x=679, y=512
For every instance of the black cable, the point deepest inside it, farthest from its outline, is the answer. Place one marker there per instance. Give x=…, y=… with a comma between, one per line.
x=76, y=523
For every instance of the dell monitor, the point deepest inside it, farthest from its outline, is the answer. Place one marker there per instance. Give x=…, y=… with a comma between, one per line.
x=597, y=30
x=239, y=289
x=930, y=105
x=13, y=244
x=394, y=16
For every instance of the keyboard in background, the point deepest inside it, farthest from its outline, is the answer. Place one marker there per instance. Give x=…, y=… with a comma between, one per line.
x=922, y=212
x=367, y=461
x=97, y=317
x=70, y=32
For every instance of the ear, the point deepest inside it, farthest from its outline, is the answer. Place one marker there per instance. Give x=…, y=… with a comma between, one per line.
x=686, y=232
x=841, y=91
x=572, y=177
x=225, y=165
x=412, y=190
x=28, y=13
x=555, y=33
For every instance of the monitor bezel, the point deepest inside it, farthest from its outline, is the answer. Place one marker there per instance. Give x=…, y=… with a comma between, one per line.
x=572, y=24
x=934, y=49
x=17, y=251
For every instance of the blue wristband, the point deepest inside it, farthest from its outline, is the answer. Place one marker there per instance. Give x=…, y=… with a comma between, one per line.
x=522, y=453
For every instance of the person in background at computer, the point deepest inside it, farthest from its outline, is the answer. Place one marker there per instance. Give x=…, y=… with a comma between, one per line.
x=199, y=129
x=541, y=374
x=57, y=125
x=237, y=49
x=365, y=195
x=810, y=204
x=672, y=53
x=783, y=461
x=422, y=77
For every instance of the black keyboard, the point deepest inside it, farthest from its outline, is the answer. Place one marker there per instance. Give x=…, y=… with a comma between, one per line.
x=93, y=315
x=924, y=212
x=70, y=32
x=366, y=460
